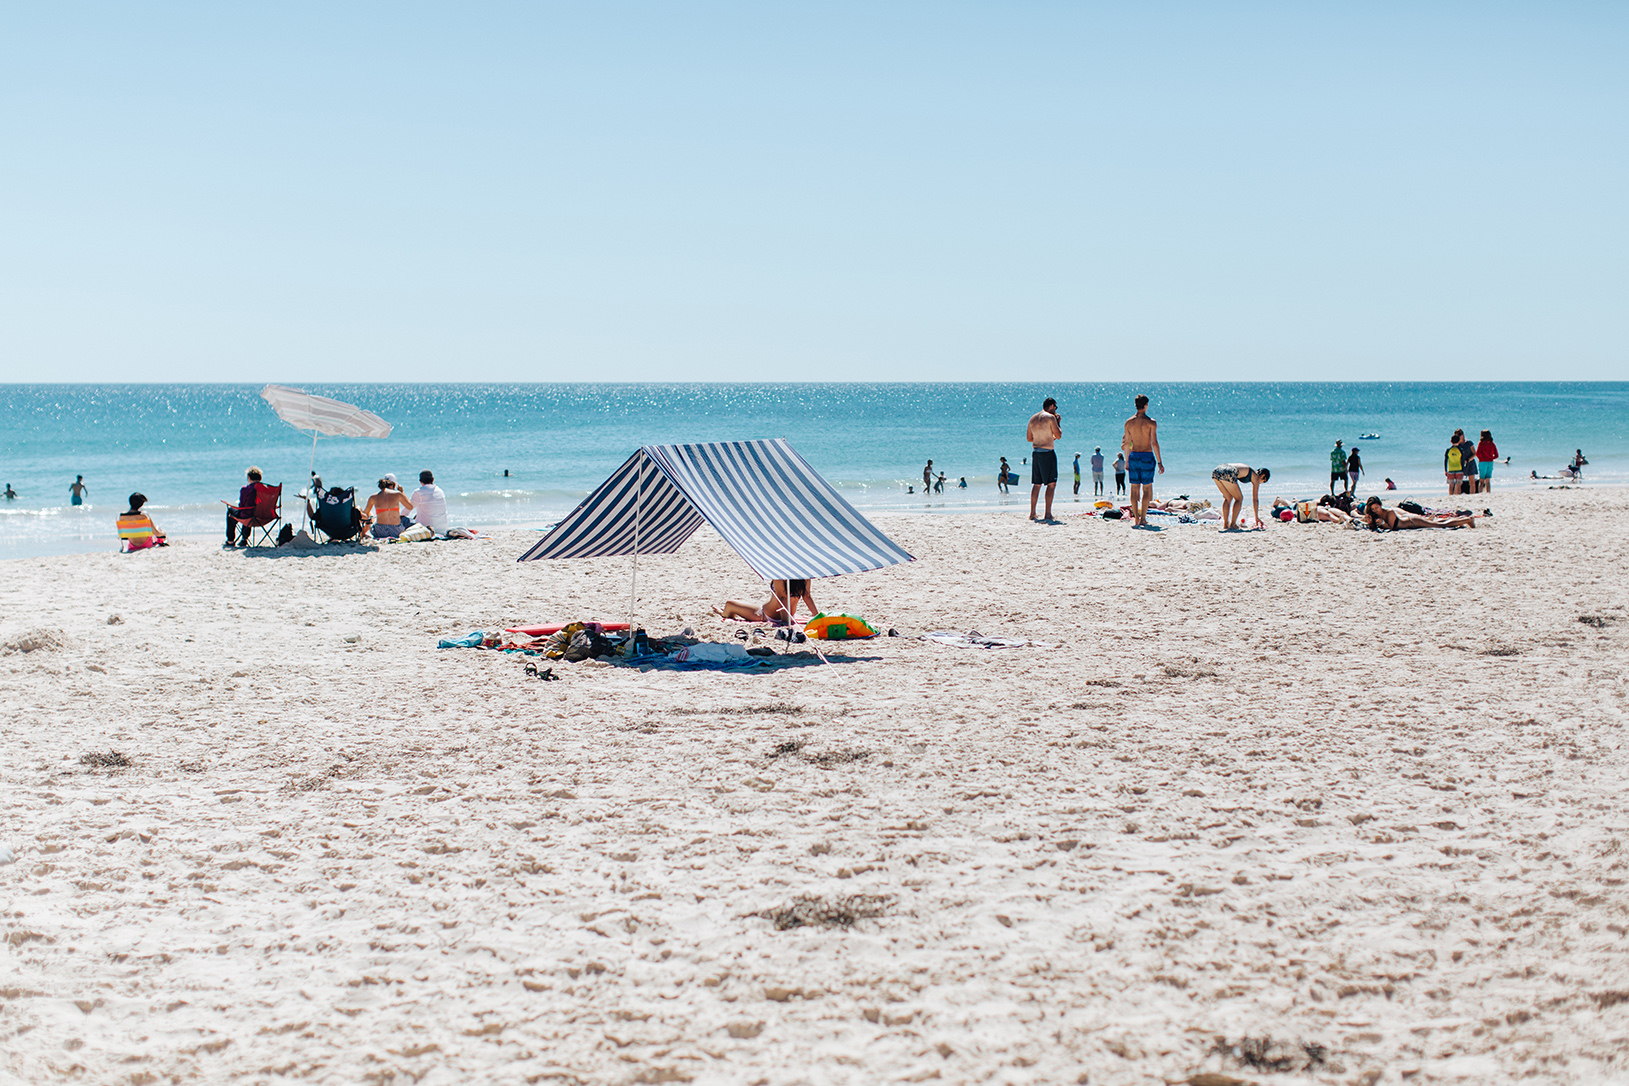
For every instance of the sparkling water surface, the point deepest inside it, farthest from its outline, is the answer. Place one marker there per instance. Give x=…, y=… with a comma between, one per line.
x=187, y=446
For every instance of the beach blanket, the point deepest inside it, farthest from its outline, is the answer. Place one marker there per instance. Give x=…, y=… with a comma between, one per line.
x=657, y=661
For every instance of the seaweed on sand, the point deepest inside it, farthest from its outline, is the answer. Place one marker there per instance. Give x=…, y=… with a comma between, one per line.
x=812, y=911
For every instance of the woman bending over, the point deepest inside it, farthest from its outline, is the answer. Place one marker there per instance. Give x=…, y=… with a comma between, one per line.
x=1227, y=478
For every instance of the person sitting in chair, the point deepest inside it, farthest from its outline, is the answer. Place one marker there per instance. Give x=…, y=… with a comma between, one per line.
x=320, y=495
x=778, y=610
x=236, y=516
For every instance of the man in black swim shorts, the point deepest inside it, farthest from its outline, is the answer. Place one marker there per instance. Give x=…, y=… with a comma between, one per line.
x=1044, y=430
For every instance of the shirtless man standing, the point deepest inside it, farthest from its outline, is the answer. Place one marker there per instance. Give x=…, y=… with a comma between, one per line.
x=1044, y=429
x=1142, y=445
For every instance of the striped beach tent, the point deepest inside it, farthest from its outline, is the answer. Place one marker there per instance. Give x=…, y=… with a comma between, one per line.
x=766, y=501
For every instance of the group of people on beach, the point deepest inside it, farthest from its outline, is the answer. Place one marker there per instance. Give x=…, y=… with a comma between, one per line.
x=1139, y=459
x=1140, y=454
x=1468, y=465
x=386, y=516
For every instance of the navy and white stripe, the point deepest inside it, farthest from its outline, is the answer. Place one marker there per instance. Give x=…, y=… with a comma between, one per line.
x=765, y=500
x=604, y=523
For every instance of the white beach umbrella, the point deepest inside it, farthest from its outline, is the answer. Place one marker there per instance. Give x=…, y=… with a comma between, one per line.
x=321, y=415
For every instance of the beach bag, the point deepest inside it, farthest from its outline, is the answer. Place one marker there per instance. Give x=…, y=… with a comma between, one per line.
x=284, y=536
x=1305, y=512
x=419, y=533
x=839, y=627
x=1412, y=507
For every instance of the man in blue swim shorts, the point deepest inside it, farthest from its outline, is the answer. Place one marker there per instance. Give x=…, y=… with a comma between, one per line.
x=1142, y=444
x=1043, y=431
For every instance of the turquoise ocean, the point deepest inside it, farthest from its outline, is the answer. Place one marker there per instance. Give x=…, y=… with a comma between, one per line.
x=186, y=446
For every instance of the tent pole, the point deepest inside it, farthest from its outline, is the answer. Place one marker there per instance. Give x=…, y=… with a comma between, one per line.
x=639, y=501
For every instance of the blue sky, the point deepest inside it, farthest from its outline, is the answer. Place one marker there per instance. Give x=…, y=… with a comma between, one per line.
x=944, y=191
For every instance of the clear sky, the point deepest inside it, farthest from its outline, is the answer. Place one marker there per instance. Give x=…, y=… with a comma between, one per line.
x=895, y=191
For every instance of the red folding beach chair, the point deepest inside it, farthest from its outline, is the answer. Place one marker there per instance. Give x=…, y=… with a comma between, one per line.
x=264, y=517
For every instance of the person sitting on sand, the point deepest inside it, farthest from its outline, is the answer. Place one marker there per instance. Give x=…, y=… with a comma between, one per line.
x=779, y=609
x=135, y=522
x=386, y=509
x=1227, y=478
x=1376, y=515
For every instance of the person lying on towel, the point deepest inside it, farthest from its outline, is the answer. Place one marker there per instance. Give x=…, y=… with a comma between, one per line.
x=1376, y=515
x=779, y=609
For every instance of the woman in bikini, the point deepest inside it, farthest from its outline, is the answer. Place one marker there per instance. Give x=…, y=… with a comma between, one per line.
x=386, y=507
x=778, y=610
x=1376, y=515
x=1227, y=478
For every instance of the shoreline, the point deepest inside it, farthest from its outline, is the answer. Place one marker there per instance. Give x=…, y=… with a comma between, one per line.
x=1018, y=501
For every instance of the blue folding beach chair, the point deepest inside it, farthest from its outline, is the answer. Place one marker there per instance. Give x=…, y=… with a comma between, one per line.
x=334, y=514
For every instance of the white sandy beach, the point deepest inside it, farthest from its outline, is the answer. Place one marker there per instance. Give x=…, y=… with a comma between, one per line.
x=1358, y=791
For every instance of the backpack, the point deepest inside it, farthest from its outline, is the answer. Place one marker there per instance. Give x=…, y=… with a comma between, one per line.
x=1456, y=462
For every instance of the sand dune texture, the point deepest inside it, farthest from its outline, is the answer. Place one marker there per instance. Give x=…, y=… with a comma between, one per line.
x=1355, y=798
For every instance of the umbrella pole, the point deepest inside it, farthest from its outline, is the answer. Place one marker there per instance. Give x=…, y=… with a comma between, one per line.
x=306, y=512
x=633, y=585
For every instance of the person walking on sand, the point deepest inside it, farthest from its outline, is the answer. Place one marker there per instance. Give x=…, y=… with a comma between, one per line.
x=1097, y=472
x=1119, y=475
x=77, y=491
x=1077, y=475
x=1045, y=428
x=1354, y=468
x=1001, y=475
x=1486, y=453
x=1337, y=468
x=1142, y=441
